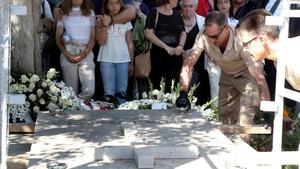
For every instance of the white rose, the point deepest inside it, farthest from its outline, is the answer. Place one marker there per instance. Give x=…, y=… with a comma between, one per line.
x=32, y=97
x=28, y=89
x=48, y=81
x=54, y=89
x=169, y=96
x=34, y=78
x=14, y=88
x=36, y=109
x=44, y=84
x=31, y=85
x=24, y=79
x=155, y=92
x=54, y=98
x=39, y=92
x=51, y=73
x=52, y=106
x=144, y=95
x=42, y=102
x=49, y=76
x=22, y=88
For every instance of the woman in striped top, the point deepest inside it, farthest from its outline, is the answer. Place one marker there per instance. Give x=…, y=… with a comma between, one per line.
x=75, y=37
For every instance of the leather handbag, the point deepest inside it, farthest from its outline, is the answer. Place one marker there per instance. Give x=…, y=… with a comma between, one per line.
x=142, y=67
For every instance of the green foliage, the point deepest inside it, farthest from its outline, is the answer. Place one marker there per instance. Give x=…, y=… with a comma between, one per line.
x=210, y=110
x=163, y=85
x=290, y=167
x=144, y=106
x=192, y=91
x=290, y=136
x=261, y=142
x=156, y=96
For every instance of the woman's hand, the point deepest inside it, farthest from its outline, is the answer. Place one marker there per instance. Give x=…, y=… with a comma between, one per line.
x=131, y=69
x=106, y=20
x=178, y=50
x=70, y=57
x=79, y=57
x=169, y=50
x=58, y=14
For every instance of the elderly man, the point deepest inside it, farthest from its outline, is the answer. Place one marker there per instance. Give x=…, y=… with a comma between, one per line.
x=262, y=41
x=239, y=91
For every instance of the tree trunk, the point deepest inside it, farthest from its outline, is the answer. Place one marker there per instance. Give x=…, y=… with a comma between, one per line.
x=25, y=51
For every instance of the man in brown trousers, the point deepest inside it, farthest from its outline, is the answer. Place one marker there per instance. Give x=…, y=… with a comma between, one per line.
x=242, y=82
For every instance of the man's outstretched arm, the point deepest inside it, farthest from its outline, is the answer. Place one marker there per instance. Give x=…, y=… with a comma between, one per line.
x=190, y=58
x=257, y=72
x=125, y=16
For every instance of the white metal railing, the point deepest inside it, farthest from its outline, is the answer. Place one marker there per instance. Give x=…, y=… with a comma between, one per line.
x=279, y=157
x=6, y=10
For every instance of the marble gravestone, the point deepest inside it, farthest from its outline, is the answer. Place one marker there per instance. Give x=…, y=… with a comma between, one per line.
x=115, y=139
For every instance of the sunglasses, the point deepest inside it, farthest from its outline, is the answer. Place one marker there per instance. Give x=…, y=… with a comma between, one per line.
x=215, y=36
x=245, y=44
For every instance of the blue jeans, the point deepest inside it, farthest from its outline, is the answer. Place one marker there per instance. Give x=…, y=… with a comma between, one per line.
x=115, y=78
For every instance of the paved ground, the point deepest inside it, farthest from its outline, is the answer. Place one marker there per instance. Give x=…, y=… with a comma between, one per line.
x=18, y=150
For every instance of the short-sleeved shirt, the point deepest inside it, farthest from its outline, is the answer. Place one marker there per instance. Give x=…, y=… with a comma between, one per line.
x=230, y=61
x=77, y=26
x=168, y=27
x=115, y=49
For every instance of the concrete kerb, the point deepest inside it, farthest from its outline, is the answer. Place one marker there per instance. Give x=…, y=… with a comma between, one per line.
x=143, y=155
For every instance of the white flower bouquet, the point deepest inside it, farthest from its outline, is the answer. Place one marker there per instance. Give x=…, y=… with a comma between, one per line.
x=208, y=110
x=42, y=93
x=159, y=96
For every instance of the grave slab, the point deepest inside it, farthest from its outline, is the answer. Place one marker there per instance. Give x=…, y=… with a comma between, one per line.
x=95, y=139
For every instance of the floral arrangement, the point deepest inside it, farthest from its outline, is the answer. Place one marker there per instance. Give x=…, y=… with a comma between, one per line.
x=157, y=96
x=42, y=93
x=208, y=110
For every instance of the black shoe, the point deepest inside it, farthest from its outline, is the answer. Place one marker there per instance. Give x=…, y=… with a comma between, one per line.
x=182, y=102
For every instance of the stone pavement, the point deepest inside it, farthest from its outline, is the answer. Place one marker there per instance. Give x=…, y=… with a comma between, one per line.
x=159, y=139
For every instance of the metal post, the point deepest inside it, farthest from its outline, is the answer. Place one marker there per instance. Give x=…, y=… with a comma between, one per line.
x=278, y=121
x=4, y=76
